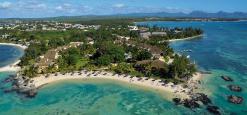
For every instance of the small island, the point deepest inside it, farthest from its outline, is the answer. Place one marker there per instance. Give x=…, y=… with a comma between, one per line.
x=115, y=50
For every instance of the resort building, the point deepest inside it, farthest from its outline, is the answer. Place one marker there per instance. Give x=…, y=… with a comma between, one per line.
x=133, y=28
x=155, y=64
x=159, y=34
x=49, y=58
x=145, y=35
x=156, y=51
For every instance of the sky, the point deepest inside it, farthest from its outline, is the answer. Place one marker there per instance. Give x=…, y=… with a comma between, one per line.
x=53, y=8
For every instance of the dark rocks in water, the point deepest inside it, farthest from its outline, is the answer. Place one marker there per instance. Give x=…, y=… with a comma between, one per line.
x=177, y=101
x=235, y=99
x=226, y=78
x=22, y=86
x=13, y=76
x=201, y=97
x=31, y=93
x=8, y=90
x=7, y=80
x=213, y=109
x=235, y=88
x=190, y=103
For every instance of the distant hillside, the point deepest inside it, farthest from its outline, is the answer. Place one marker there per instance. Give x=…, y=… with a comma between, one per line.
x=194, y=14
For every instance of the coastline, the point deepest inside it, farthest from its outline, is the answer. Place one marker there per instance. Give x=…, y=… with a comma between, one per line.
x=13, y=66
x=16, y=45
x=178, y=90
x=188, y=38
x=144, y=82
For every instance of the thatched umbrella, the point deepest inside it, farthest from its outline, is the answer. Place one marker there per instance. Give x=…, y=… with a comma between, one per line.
x=47, y=75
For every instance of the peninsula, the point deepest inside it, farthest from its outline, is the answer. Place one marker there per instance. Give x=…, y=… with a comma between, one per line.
x=137, y=54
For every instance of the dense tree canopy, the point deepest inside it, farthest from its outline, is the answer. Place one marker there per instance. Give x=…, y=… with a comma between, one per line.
x=123, y=68
x=181, y=67
x=143, y=55
x=109, y=50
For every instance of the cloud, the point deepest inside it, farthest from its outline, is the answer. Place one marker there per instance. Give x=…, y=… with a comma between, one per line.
x=5, y=5
x=36, y=6
x=119, y=5
x=59, y=8
x=30, y=5
x=41, y=8
x=64, y=7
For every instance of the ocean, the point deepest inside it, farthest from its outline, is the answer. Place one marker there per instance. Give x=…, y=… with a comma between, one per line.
x=222, y=51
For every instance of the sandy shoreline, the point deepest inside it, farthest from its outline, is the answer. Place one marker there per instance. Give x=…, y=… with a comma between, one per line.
x=42, y=80
x=12, y=66
x=16, y=45
x=189, y=38
x=82, y=75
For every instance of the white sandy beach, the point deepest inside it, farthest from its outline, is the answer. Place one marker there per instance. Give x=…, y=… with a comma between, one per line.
x=151, y=83
x=16, y=45
x=13, y=66
x=42, y=80
x=189, y=38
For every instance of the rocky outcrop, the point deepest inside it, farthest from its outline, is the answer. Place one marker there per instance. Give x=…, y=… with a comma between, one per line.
x=213, y=109
x=194, y=102
x=22, y=85
x=9, y=79
x=201, y=97
x=235, y=99
x=227, y=78
x=32, y=93
x=235, y=88
x=190, y=103
x=177, y=101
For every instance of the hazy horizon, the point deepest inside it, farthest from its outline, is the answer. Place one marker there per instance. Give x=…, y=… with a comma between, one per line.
x=54, y=8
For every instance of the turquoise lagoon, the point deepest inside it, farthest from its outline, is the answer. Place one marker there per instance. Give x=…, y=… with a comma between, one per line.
x=222, y=51
x=9, y=54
